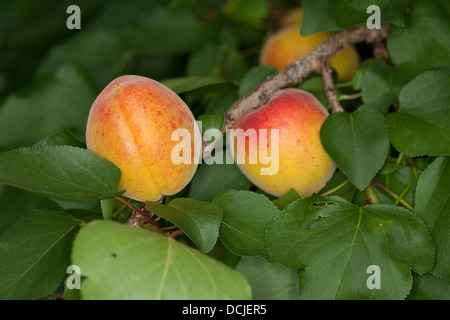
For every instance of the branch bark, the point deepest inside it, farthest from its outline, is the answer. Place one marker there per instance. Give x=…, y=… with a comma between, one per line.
x=297, y=72
x=328, y=85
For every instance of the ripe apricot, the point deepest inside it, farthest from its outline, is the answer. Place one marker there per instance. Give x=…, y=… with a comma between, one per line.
x=303, y=164
x=131, y=124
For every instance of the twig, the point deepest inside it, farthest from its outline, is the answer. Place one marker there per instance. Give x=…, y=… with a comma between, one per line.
x=142, y=212
x=168, y=228
x=379, y=49
x=328, y=86
x=175, y=233
x=297, y=72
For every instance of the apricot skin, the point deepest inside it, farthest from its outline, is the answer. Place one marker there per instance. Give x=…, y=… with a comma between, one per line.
x=303, y=163
x=130, y=124
x=287, y=46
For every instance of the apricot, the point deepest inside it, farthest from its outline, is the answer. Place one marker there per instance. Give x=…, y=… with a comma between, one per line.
x=303, y=164
x=287, y=45
x=293, y=17
x=131, y=124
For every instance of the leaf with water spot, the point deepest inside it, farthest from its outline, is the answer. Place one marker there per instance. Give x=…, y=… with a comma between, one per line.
x=121, y=262
x=335, y=241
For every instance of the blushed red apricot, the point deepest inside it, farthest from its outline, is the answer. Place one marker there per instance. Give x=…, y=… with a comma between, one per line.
x=303, y=164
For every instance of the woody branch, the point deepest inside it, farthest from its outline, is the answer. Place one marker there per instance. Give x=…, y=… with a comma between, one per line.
x=315, y=61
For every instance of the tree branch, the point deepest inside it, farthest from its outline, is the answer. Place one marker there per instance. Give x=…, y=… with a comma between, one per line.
x=297, y=72
x=328, y=86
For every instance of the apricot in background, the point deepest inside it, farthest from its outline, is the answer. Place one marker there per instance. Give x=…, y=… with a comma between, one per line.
x=287, y=45
x=130, y=124
x=304, y=165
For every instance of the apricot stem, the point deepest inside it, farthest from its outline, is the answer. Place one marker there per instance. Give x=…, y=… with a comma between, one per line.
x=326, y=193
x=125, y=202
x=399, y=159
x=168, y=228
x=406, y=189
x=350, y=96
x=393, y=194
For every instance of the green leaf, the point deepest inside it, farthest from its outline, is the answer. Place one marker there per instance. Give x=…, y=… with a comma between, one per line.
x=423, y=42
x=121, y=262
x=348, y=13
x=335, y=242
x=358, y=77
x=211, y=178
x=381, y=84
x=62, y=137
x=107, y=206
x=222, y=101
x=245, y=217
x=396, y=181
x=34, y=254
x=314, y=85
x=428, y=287
x=317, y=17
x=186, y=84
x=60, y=172
x=15, y=202
x=52, y=103
x=200, y=221
x=66, y=138
x=81, y=205
x=222, y=254
x=269, y=281
x=71, y=294
x=422, y=124
x=333, y=15
x=254, y=77
x=357, y=142
x=389, y=168
x=213, y=121
x=433, y=207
